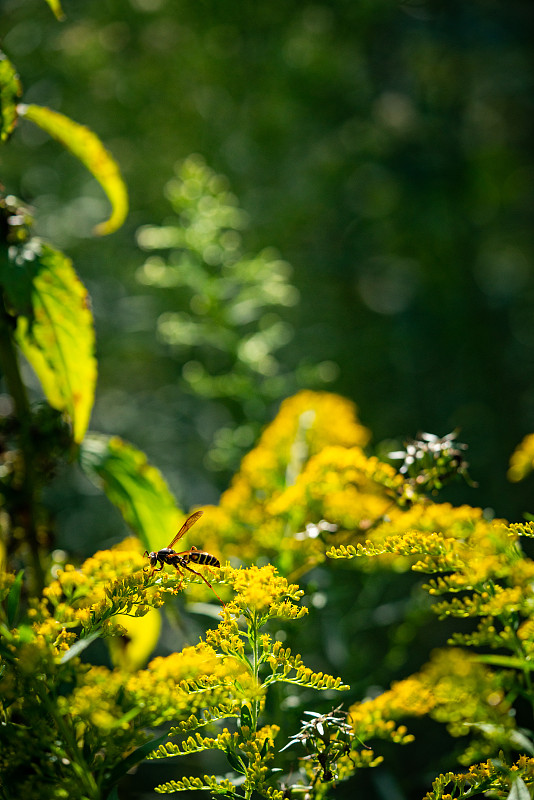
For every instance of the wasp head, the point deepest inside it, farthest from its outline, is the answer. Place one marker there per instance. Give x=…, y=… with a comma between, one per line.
x=152, y=557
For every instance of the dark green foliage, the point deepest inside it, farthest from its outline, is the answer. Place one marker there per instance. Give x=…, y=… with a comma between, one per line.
x=10, y=90
x=383, y=148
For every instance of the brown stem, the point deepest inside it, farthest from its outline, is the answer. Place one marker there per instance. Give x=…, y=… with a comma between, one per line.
x=28, y=489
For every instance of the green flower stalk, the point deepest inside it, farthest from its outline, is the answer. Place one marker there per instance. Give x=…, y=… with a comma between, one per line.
x=254, y=661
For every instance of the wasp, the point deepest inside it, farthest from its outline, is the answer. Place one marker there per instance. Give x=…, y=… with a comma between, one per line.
x=184, y=559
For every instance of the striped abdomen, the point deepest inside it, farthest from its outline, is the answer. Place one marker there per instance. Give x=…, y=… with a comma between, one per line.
x=201, y=557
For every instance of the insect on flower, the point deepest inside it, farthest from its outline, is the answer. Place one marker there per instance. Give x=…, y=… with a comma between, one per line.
x=184, y=559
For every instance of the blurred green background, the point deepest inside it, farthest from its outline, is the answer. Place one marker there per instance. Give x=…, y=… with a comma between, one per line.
x=384, y=149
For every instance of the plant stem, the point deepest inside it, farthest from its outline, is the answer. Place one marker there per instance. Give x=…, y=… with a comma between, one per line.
x=72, y=750
x=28, y=489
x=519, y=650
x=255, y=666
x=253, y=628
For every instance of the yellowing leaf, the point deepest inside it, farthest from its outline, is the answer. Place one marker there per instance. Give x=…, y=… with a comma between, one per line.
x=88, y=148
x=522, y=460
x=132, y=484
x=10, y=91
x=54, y=327
x=55, y=5
x=133, y=651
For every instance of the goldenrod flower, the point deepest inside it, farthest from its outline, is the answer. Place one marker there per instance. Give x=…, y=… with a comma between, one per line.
x=452, y=688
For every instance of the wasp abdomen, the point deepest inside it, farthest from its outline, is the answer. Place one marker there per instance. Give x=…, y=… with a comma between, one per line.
x=201, y=557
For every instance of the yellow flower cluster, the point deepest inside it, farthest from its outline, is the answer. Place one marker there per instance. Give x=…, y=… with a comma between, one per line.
x=261, y=594
x=219, y=786
x=262, y=590
x=6, y=582
x=106, y=565
x=33, y=661
x=477, y=561
x=289, y=668
x=425, y=516
x=307, y=491
x=257, y=747
x=340, y=484
x=453, y=688
x=521, y=529
x=183, y=684
x=494, y=603
x=425, y=527
x=94, y=703
x=355, y=760
x=193, y=744
x=316, y=419
x=225, y=676
x=307, y=467
x=227, y=637
x=305, y=424
x=96, y=573
x=308, y=487
x=493, y=778
x=208, y=715
x=110, y=583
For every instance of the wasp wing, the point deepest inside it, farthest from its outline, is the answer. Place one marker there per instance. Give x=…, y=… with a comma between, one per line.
x=185, y=527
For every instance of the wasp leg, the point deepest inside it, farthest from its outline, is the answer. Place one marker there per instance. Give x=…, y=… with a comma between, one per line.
x=200, y=575
x=194, y=549
x=181, y=576
x=154, y=569
x=148, y=565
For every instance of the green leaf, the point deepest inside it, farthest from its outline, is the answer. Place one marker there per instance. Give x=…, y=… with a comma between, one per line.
x=132, y=484
x=114, y=794
x=54, y=327
x=519, y=790
x=87, y=147
x=10, y=91
x=78, y=647
x=56, y=9
x=521, y=742
x=246, y=717
x=518, y=738
x=234, y=762
x=130, y=761
x=13, y=598
x=26, y=634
